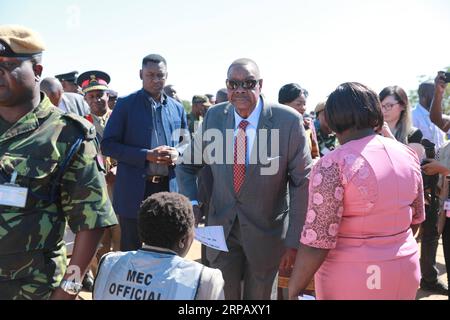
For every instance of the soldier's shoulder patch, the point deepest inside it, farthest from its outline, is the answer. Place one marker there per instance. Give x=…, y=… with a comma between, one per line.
x=84, y=125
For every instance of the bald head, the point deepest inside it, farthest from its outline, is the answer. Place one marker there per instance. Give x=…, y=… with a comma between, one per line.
x=246, y=63
x=53, y=89
x=426, y=92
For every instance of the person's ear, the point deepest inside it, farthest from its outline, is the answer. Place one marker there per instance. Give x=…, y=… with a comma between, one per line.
x=140, y=74
x=37, y=69
x=260, y=84
x=182, y=242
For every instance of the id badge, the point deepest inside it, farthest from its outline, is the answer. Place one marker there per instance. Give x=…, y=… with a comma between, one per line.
x=13, y=196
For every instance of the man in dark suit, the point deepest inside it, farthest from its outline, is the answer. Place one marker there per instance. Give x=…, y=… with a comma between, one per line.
x=268, y=151
x=141, y=134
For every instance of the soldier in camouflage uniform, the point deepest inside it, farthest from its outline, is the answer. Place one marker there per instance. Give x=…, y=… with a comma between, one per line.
x=326, y=139
x=54, y=156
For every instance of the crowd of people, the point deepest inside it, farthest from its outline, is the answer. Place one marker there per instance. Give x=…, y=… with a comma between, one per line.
x=342, y=196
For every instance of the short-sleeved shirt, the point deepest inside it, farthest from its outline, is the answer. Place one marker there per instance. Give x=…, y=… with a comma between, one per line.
x=32, y=251
x=363, y=197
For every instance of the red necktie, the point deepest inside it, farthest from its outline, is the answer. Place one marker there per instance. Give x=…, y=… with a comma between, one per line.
x=240, y=152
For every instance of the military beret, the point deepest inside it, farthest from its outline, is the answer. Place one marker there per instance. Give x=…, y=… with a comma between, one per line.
x=201, y=99
x=19, y=41
x=93, y=80
x=69, y=77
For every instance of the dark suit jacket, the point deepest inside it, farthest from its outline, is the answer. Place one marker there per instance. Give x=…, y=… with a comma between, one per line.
x=127, y=138
x=269, y=219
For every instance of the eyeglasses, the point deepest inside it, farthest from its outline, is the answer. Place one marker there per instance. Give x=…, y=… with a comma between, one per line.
x=388, y=106
x=246, y=84
x=9, y=64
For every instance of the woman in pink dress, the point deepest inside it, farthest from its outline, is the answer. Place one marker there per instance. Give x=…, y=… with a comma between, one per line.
x=365, y=204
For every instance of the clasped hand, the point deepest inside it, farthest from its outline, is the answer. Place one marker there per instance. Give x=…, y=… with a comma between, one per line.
x=163, y=155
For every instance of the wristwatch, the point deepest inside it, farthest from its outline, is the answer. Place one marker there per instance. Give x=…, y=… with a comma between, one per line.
x=71, y=287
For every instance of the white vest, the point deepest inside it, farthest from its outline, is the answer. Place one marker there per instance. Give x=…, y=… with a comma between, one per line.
x=147, y=275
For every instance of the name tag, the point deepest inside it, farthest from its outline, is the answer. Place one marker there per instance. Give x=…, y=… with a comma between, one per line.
x=13, y=196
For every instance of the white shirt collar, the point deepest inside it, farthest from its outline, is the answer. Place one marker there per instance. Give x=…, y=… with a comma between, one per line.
x=422, y=109
x=253, y=118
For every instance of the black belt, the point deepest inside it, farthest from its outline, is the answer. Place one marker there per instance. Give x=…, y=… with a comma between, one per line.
x=156, y=179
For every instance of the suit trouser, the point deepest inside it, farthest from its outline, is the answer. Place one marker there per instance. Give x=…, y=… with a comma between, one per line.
x=128, y=226
x=428, y=248
x=259, y=281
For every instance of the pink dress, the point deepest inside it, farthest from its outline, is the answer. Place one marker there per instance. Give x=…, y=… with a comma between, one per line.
x=363, y=197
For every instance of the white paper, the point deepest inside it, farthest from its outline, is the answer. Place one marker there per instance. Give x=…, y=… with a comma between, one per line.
x=306, y=297
x=212, y=237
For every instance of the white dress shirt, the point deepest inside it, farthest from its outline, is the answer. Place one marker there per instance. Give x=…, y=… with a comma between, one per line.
x=422, y=121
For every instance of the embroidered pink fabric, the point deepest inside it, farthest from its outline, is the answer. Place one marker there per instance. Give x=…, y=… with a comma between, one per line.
x=343, y=183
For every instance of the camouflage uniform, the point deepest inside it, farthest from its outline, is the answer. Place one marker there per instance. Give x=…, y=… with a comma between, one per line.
x=193, y=122
x=32, y=252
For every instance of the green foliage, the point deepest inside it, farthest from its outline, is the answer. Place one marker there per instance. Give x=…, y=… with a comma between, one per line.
x=414, y=98
x=187, y=106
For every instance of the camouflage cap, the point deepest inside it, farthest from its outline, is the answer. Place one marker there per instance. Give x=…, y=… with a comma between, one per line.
x=320, y=107
x=19, y=41
x=202, y=99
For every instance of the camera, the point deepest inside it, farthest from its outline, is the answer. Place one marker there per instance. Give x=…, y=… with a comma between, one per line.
x=430, y=182
x=447, y=77
x=430, y=152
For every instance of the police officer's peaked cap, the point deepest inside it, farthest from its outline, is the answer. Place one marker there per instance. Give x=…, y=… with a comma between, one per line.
x=19, y=41
x=93, y=80
x=69, y=76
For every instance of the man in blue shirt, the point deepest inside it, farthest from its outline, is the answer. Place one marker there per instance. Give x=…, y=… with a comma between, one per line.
x=144, y=134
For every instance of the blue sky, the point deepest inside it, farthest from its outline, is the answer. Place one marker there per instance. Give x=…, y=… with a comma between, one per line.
x=318, y=44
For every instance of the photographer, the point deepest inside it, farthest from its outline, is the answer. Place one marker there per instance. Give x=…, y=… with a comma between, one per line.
x=442, y=167
x=436, y=115
x=429, y=234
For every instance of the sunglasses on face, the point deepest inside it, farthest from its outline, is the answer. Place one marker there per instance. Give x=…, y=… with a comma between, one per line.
x=246, y=84
x=9, y=64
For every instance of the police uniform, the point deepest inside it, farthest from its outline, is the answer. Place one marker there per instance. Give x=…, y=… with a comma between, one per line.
x=53, y=156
